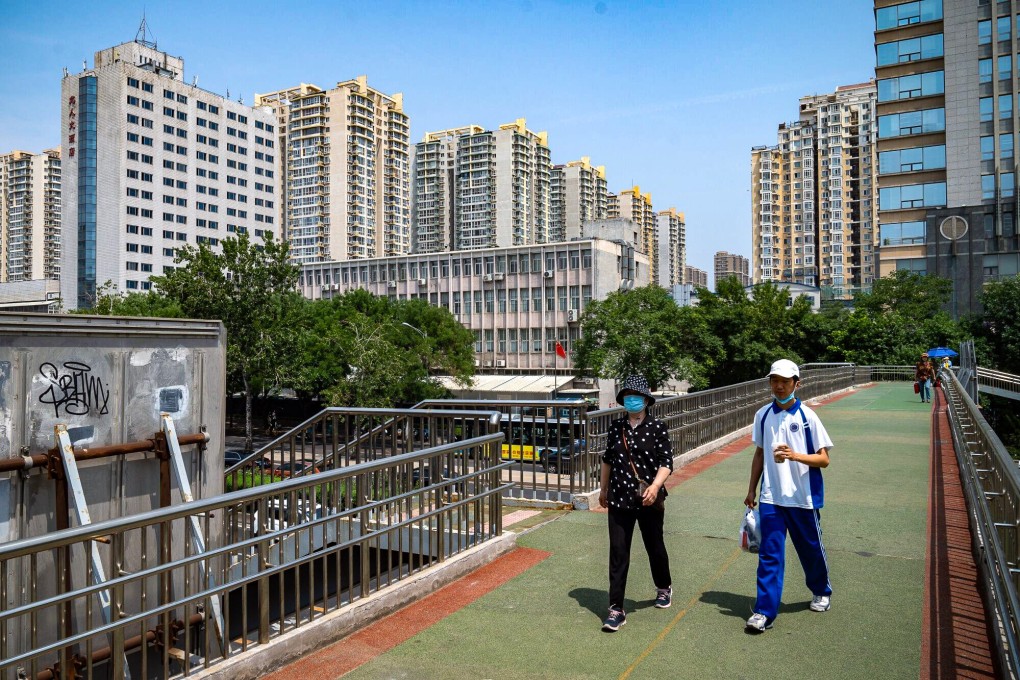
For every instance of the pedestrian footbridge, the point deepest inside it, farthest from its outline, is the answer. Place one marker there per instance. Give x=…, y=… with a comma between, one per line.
x=455, y=540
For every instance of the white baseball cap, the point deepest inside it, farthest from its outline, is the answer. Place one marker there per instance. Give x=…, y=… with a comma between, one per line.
x=785, y=368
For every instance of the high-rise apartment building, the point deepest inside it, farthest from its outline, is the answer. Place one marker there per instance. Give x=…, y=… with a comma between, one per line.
x=695, y=277
x=435, y=165
x=29, y=216
x=813, y=203
x=727, y=265
x=578, y=194
x=151, y=163
x=499, y=188
x=635, y=206
x=346, y=168
x=947, y=124
x=671, y=241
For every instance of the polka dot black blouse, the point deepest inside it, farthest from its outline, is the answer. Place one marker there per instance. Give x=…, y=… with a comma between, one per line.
x=649, y=449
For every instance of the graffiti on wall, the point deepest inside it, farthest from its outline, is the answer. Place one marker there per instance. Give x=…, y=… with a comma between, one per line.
x=74, y=388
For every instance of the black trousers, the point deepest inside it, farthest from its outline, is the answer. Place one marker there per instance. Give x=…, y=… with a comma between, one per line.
x=621, y=533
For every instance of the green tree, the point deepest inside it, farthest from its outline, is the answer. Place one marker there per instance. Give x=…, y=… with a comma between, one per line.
x=111, y=302
x=251, y=289
x=907, y=294
x=999, y=326
x=755, y=331
x=643, y=332
x=358, y=349
x=902, y=316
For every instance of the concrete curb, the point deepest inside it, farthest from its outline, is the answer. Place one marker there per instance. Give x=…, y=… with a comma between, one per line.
x=590, y=500
x=260, y=660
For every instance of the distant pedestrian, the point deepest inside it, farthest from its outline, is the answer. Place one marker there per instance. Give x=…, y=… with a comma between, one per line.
x=637, y=449
x=791, y=494
x=924, y=374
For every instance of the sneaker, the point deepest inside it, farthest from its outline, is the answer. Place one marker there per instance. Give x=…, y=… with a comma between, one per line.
x=820, y=603
x=664, y=598
x=614, y=621
x=759, y=623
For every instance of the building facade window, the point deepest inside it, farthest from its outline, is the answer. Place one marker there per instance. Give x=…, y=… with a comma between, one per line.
x=908, y=13
x=932, y=194
x=909, y=160
x=912, y=86
x=913, y=49
x=912, y=123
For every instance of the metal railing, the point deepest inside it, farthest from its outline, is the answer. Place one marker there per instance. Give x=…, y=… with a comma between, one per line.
x=991, y=483
x=567, y=464
x=703, y=417
x=341, y=436
x=544, y=440
x=277, y=557
x=998, y=383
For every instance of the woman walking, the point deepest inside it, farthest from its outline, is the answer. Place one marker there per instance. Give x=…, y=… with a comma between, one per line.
x=636, y=464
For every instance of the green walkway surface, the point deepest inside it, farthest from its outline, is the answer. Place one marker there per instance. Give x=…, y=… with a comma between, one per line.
x=546, y=622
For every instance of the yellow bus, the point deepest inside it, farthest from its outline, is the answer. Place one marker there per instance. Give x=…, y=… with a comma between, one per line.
x=553, y=443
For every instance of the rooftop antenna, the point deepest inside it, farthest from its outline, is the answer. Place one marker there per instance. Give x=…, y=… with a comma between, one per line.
x=143, y=31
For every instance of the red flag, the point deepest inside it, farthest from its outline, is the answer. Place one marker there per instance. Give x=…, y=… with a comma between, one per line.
x=560, y=352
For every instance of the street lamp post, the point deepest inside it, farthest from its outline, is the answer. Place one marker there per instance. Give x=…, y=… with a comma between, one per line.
x=415, y=329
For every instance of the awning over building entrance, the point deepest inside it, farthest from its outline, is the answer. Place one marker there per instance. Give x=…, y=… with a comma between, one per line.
x=509, y=386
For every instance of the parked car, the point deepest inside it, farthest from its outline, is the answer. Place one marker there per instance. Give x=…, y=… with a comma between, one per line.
x=564, y=459
x=288, y=469
x=232, y=457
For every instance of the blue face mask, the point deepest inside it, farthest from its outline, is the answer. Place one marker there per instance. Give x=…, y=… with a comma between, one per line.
x=634, y=403
x=786, y=401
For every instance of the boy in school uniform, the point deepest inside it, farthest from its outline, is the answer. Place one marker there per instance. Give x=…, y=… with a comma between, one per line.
x=791, y=449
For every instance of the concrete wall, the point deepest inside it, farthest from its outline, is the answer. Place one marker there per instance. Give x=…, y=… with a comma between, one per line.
x=109, y=378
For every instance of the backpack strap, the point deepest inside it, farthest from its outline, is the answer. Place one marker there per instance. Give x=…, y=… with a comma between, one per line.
x=807, y=431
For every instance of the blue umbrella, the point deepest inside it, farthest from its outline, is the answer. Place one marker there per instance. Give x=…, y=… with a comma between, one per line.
x=941, y=352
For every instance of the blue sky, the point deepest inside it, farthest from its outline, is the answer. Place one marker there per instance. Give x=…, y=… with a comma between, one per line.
x=670, y=96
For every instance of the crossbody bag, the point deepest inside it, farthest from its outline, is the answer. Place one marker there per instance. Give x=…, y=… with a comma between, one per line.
x=660, y=499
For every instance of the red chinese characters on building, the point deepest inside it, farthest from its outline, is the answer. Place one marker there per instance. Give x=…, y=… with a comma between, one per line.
x=72, y=124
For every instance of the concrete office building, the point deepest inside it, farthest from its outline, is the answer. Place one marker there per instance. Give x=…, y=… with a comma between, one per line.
x=346, y=167
x=150, y=163
x=671, y=241
x=947, y=124
x=30, y=216
x=635, y=206
x=499, y=187
x=695, y=276
x=518, y=301
x=727, y=265
x=578, y=194
x=813, y=207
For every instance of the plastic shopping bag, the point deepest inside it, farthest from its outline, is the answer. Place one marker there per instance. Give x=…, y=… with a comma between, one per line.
x=750, y=531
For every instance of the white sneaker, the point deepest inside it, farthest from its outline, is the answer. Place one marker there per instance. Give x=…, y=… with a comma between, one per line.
x=758, y=622
x=820, y=603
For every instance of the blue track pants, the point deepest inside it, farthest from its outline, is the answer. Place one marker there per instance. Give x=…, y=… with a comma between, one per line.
x=806, y=533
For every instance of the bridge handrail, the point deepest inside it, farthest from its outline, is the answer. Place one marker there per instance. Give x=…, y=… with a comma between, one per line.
x=991, y=483
x=366, y=515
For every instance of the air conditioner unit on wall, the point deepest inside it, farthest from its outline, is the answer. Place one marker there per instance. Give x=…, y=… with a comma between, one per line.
x=500, y=363
x=391, y=284
x=498, y=276
x=487, y=277
x=572, y=314
x=488, y=364
x=421, y=282
x=547, y=274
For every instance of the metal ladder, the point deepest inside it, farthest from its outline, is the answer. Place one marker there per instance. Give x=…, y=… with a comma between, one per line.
x=180, y=476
